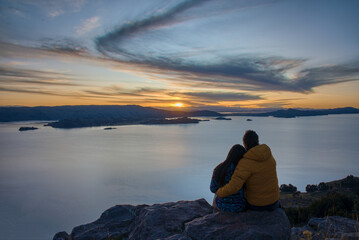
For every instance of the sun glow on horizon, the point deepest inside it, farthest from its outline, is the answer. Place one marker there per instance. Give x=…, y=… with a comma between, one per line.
x=177, y=104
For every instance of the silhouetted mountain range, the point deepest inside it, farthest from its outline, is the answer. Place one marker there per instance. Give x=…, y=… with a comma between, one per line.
x=291, y=113
x=98, y=115
x=125, y=113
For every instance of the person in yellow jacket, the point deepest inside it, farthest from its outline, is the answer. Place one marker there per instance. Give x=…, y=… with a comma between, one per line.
x=257, y=170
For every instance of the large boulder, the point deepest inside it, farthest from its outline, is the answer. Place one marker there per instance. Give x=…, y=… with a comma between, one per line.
x=165, y=220
x=245, y=225
x=113, y=223
x=183, y=220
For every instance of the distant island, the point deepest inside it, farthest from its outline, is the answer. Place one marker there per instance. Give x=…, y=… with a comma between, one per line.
x=21, y=129
x=103, y=115
x=223, y=118
x=292, y=113
x=109, y=128
x=182, y=120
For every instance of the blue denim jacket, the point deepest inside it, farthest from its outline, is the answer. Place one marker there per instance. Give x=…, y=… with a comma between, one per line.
x=233, y=203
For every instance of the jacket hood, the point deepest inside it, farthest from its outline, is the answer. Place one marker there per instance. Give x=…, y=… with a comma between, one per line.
x=259, y=153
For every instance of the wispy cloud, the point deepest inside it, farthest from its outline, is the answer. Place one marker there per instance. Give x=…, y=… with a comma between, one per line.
x=55, y=8
x=64, y=46
x=55, y=12
x=31, y=91
x=17, y=72
x=117, y=91
x=48, y=48
x=279, y=103
x=215, y=96
x=88, y=25
x=165, y=95
x=109, y=43
x=28, y=81
x=330, y=74
x=13, y=76
x=256, y=74
x=241, y=72
x=17, y=11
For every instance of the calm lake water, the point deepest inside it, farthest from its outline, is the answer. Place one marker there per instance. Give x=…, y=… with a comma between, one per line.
x=52, y=180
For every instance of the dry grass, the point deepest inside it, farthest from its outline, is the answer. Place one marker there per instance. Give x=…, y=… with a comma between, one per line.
x=301, y=200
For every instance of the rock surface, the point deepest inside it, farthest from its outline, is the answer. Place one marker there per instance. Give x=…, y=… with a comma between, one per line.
x=183, y=220
x=332, y=227
x=245, y=225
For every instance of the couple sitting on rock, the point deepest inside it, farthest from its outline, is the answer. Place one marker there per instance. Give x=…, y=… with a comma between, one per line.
x=247, y=178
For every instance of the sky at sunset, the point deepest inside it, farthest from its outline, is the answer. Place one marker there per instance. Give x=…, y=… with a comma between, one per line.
x=217, y=54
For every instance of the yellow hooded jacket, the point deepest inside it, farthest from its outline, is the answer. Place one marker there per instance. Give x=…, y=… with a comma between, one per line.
x=257, y=169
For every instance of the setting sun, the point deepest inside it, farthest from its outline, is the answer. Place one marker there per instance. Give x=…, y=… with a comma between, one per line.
x=178, y=105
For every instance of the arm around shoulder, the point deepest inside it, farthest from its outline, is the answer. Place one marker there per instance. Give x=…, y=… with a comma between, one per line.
x=239, y=177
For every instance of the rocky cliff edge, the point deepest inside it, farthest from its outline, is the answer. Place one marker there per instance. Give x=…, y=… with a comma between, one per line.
x=183, y=220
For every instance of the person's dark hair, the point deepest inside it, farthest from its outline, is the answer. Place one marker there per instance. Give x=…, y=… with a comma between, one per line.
x=250, y=139
x=234, y=155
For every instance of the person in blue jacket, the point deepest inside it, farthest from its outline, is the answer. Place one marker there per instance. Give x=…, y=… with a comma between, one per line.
x=221, y=176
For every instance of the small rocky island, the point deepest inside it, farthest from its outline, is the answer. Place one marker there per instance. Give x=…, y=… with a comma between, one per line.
x=109, y=128
x=182, y=120
x=223, y=118
x=21, y=129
